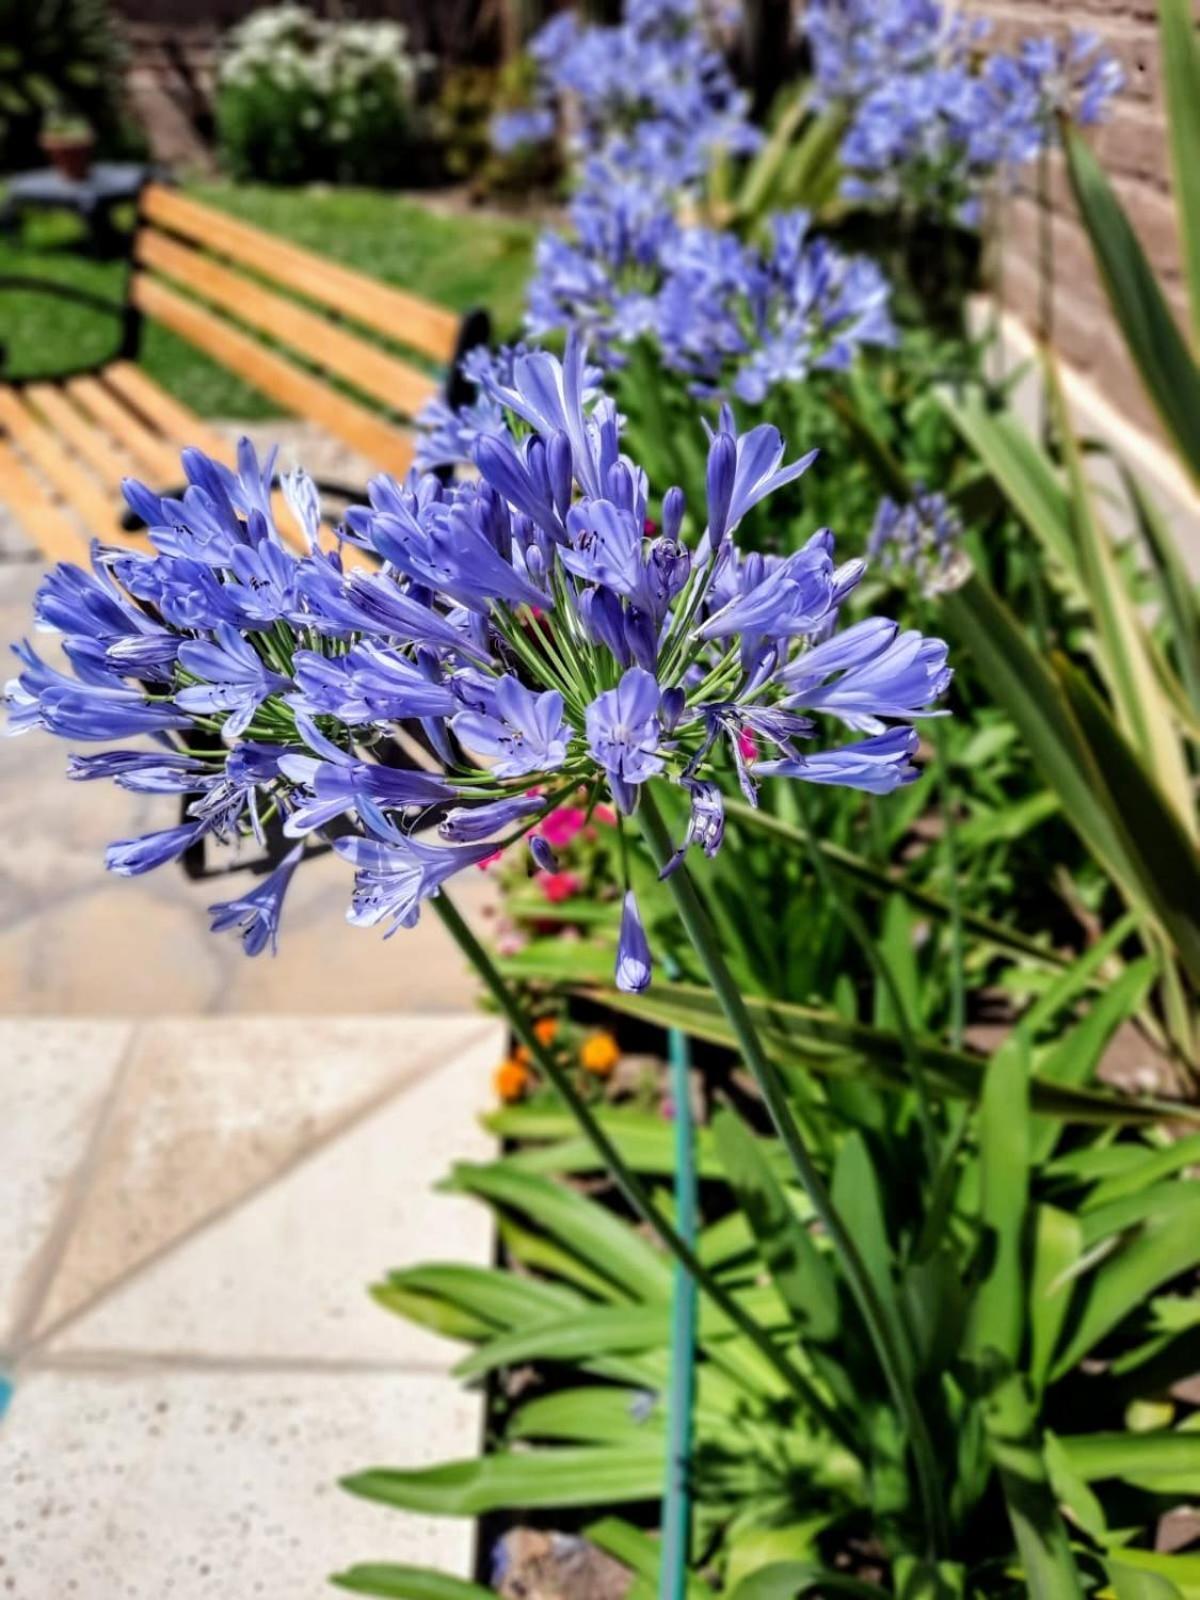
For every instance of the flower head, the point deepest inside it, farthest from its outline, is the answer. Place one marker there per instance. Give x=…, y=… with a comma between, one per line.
x=932, y=120
x=599, y=1053
x=540, y=634
x=511, y=1080
x=255, y=914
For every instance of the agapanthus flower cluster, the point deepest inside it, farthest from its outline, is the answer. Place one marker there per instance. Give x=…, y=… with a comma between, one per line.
x=447, y=434
x=733, y=319
x=918, y=540
x=650, y=96
x=527, y=624
x=932, y=120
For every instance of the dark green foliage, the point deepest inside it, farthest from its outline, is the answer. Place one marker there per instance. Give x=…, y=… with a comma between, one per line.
x=56, y=56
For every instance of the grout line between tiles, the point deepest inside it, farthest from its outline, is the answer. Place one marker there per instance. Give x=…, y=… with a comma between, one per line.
x=337, y=1130
x=50, y=1257
x=142, y=1363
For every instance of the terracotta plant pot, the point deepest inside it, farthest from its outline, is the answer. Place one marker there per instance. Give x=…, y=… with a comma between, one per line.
x=70, y=153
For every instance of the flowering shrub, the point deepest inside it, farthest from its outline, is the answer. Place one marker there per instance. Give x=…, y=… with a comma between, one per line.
x=932, y=120
x=300, y=98
x=732, y=319
x=541, y=638
x=650, y=98
x=557, y=885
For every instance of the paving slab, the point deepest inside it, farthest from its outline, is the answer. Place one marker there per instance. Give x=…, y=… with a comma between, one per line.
x=213, y=1112
x=74, y=941
x=287, y=1271
x=55, y=1079
x=216, y=1485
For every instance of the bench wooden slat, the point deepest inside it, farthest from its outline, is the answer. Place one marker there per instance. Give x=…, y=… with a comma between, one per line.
x=52, y=532
x=275, y=375
x=404, y=317
x=153, y=454
x=96, y=448
x=398, y=386
x=65, y=472
x=176, y=421
x=184, y=425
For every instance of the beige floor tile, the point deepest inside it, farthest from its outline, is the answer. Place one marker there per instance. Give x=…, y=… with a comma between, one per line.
x=217, y=1486
x=54, y=1078
x=284, y=1276
x=211, y=1111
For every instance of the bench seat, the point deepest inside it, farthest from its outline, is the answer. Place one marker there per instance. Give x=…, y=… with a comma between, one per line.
x=305, y=331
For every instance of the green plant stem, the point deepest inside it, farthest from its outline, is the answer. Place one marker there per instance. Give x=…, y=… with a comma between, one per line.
x=958, y=977
x=775, y=1097
x=627, y=1181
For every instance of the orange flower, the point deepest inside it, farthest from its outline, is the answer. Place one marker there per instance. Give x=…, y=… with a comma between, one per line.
x=545, y=1029
x=599, y=1053
x=511, y=1079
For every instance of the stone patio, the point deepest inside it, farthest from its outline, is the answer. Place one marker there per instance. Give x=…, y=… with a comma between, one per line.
x=204, y=1162
x=192, y=1212
x=75, y=941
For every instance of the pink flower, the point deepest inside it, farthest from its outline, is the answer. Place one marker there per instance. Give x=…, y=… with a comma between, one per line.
x=605, y=814
x=509, y=940
x=747, y=746
x=557, y=886
x=487, y=860
x=561, y=826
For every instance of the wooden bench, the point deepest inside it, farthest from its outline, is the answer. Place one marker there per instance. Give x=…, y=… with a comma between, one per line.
x=288, y=321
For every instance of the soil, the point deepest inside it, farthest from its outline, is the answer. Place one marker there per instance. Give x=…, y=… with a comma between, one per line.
x=537, y=1564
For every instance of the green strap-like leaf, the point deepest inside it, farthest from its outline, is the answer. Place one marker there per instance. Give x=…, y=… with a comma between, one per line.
x=1015, y=1445
x=1162, y=857
x=639, y=1551
x=1139, y=1458
x=1023, y=471
x=822, y=1041
x=790, y=1580
x=592, y=1231
x=997, y=1315
x=532, y=1479
x=1159, y=350
x=408, y=1583
x=1179, y=57
x=1023, y=683
x=798, y=1269
x=1180, y=598
x=1057, y=1246
x=1181, y=1572
x=1142, y=709
x=879, y=882
x=1162, y=1247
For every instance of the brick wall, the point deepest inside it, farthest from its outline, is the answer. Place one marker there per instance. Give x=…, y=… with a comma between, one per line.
x=1133, y=149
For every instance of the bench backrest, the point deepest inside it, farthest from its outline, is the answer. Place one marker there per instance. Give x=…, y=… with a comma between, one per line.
x=216, y=282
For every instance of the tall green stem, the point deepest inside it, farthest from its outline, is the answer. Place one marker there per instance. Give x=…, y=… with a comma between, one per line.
x=958, y=977
x=627, y=1180
x=774, y=1092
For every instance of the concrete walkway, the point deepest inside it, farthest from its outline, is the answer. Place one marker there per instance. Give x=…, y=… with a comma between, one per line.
x=191, y=1214
x=204, y=1161
x=75, y=941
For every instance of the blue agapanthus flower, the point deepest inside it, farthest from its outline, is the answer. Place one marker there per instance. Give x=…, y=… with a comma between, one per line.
x=933, y=121
x=544, y=640
x=650, y=95
x=733, y=319
x=919, y=540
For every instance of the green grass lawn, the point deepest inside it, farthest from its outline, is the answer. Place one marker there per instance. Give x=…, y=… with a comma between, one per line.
x=459, y=261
